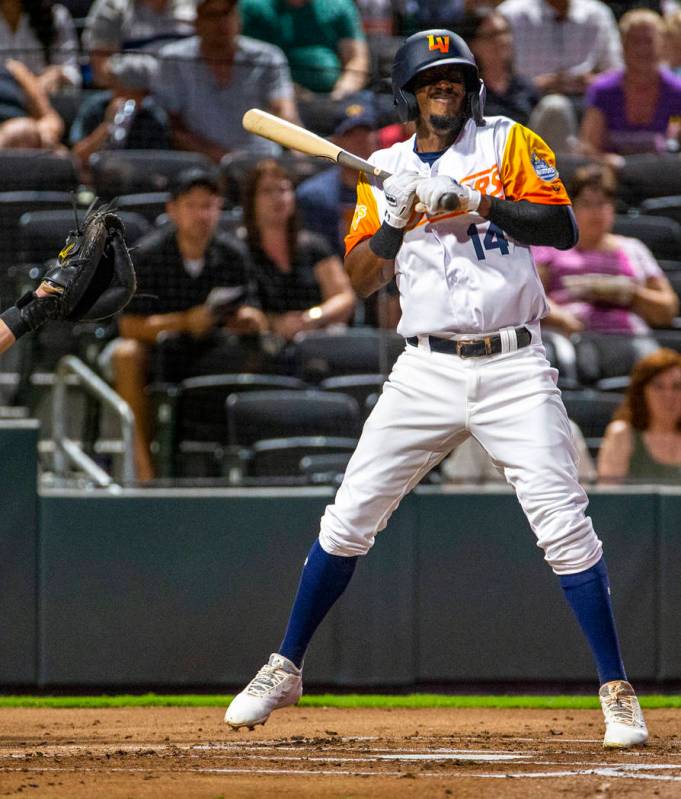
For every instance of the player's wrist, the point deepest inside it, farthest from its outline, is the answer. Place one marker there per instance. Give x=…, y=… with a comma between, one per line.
x=395, y=220
x=474, y=199
x=14, y=322
x=386, y=241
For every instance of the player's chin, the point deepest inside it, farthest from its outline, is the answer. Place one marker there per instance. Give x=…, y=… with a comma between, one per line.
x=445, y=123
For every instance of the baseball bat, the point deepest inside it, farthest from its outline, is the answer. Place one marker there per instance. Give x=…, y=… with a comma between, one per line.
x=296, y=138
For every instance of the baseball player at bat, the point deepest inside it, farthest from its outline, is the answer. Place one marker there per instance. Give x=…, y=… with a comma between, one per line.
x=473, y=362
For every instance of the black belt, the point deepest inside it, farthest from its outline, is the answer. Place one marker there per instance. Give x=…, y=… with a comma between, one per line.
x=473, y=347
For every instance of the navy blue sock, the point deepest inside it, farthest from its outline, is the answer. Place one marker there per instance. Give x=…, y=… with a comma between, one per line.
x=323, y=580
x=588, y=593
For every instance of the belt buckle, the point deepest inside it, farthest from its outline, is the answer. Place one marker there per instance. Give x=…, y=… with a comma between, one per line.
x=460, y=344
x=477, y=343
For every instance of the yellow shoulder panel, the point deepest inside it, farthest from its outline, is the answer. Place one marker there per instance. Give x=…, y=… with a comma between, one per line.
x=528, y=169
x=365, y=221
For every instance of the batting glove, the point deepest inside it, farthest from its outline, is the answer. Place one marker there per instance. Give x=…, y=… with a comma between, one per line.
x=431, y=192
x=400, y=196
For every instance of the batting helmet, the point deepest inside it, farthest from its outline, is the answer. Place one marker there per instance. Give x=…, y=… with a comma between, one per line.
x=434, y=48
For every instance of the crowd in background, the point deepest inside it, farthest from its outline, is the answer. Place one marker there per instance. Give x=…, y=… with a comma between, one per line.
x=600, y=82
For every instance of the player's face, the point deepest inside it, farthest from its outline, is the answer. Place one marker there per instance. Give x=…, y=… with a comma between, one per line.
x=440, y=91
x=196, y=213
x=663, y=396
x=595, y=213
x=275, y=200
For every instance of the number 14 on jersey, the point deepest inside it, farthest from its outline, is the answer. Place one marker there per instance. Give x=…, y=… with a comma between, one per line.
x=494, y=239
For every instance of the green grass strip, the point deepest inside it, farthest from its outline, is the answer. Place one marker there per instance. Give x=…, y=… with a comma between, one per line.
x=335, y=700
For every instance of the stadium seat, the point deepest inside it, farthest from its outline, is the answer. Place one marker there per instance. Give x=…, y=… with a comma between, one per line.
x=605, y=361
x=663, y=206
x=320, y=354
x=669, y=338
x=259, y=415
x=13, y=204
x=281, y=457
x=592, y=412
x=357, y=386
x=662, y=236
x=201, y=401
x=148, y=204
x=324, y=468
x=560, y=352
x=648, y=175
x=42, y=233
x=119, y=172
x=36, y=170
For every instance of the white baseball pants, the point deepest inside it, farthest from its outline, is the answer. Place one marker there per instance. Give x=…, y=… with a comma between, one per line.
x=432, y=402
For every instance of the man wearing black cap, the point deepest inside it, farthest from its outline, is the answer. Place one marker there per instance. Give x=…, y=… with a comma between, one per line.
x=192, y=280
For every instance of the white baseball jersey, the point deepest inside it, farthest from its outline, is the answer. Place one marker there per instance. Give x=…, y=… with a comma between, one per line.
x=457, y=272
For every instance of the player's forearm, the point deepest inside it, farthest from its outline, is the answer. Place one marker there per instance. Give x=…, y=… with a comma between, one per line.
x=367, y=271
x=532, y=223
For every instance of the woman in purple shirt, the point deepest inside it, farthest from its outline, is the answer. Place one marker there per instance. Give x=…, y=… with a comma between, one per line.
x=607, y=283
x=630, y=110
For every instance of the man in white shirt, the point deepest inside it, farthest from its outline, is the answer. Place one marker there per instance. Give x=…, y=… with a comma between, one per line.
x=451, y=217
x=562, y=44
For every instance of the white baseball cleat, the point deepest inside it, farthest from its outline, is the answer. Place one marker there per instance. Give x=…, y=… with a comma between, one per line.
x=278, y=683
x=624, y=723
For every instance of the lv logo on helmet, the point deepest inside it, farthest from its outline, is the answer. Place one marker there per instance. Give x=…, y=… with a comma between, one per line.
x=440, y=43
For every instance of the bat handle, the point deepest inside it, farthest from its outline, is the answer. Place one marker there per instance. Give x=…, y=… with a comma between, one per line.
x=449, y=202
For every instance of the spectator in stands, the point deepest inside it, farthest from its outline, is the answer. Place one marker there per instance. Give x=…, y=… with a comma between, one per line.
x=607, y=283
x=124, y=118
x=327, y=200
x=208, y=81
x=323, y=41
x=490, y=38
x=644, y=440
x=629, y=110
x=27, y=120
x=121, y=37
x=193, y=280
x=301, y=281
x=563, y=44
x=41, y=34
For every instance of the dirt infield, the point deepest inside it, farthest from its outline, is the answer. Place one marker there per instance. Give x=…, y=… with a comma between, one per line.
x=315, y=752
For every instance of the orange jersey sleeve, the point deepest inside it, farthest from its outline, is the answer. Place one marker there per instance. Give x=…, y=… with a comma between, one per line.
x=528, y=169
x=365, y=221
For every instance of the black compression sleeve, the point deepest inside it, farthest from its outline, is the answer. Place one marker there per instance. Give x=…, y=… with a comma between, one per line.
x=532, y=223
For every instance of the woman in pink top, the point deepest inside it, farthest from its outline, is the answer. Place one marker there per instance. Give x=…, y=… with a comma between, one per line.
x=607, y=283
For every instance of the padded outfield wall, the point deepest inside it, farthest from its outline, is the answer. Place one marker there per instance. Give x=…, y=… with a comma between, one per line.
x=192, y=588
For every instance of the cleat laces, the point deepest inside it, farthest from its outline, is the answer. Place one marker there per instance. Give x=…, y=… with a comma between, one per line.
x=622, y=708
x=266, y=680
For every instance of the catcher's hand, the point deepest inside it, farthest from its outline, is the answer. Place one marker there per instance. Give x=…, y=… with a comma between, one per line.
x=93, y=279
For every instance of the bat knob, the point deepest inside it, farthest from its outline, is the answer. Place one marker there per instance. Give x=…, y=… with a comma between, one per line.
x=449, y=202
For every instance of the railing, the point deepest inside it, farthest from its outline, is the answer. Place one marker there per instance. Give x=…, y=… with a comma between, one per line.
x=67, y=451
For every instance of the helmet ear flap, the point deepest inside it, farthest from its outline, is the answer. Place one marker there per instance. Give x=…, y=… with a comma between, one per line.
x=476, y=101
x=407, y=107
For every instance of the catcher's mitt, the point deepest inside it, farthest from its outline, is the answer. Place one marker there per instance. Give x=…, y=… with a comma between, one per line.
x=93, y=279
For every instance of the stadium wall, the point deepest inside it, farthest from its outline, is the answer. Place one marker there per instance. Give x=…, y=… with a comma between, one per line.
x=192, y=588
